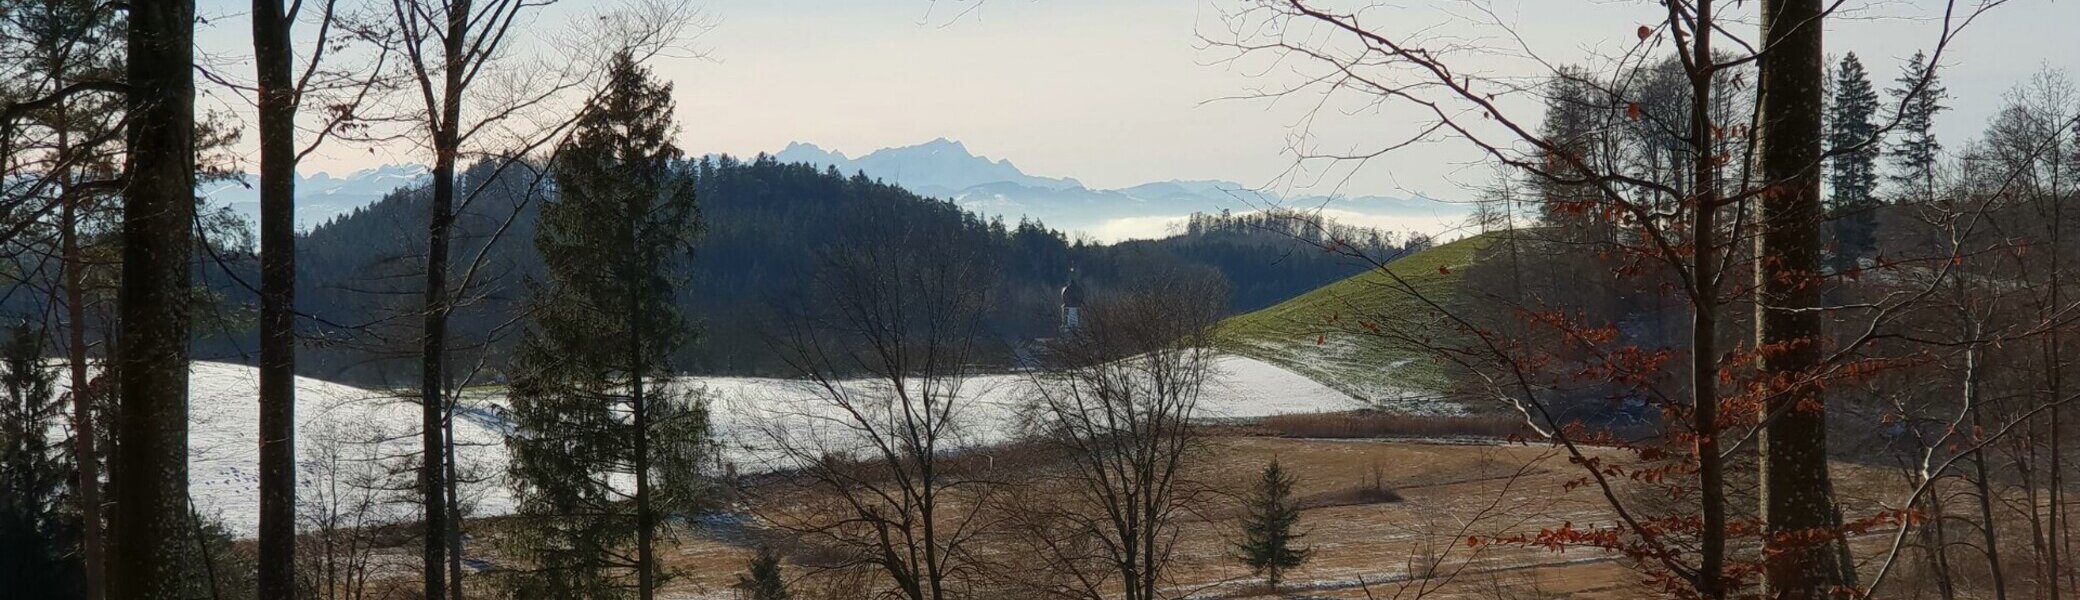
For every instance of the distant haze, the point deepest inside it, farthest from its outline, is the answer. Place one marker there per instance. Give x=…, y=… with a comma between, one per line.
x=1120, y=93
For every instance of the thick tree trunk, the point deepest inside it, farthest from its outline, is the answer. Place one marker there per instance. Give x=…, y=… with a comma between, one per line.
x=158, y=242
x=1800, y=519
x=277, y=116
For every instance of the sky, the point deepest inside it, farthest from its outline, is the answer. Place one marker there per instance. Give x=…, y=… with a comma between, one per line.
x=1121, y=92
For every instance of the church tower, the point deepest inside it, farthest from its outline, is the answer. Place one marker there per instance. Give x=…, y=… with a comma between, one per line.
x=1072, y=303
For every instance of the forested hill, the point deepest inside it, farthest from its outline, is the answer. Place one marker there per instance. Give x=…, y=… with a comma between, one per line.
x=767, y=227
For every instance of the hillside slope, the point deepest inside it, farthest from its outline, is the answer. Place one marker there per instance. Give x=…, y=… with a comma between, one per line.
x=1364, y=335
x=769, y=227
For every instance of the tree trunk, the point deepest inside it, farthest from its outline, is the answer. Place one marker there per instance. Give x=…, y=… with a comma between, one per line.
x=1704, y=330
x=433, y=350
x=277, y=116
x=84, y=430
x=432, y=388
x=454, y=532
x=646, y=518
x=158, y=241
x=1798, y=509
x=1981, y=482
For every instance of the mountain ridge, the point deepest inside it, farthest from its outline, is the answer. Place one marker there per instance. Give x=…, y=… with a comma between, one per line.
x=943, y=168
x=946, y=168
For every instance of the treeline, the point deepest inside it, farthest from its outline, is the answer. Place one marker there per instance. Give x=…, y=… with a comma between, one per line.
x=767, y=227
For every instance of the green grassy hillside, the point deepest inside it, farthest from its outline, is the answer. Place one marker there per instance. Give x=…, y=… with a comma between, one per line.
x=1363, y=335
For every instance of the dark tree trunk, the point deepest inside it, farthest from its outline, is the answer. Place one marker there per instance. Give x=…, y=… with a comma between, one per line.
x=432, y=389
x=454, y=532
x=277, y=115
x=646, y=516
x=158, y=241
x=1798, y=511
x=1704, y=326
x=83, y=426
x=433, y=351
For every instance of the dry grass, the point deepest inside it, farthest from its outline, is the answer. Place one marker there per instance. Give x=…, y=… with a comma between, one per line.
x=1382, y=511
x=1366, y=424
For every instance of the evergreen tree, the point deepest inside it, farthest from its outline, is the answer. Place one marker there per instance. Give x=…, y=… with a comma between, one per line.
x=38, y=535
x=1852, y=175
x=763, y=582
x=603, y=446
x=1268, y=540
x=1913, y=151
x=1573, y=125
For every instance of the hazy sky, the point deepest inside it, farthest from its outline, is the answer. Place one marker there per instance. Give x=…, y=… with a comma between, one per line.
x=1122, y=92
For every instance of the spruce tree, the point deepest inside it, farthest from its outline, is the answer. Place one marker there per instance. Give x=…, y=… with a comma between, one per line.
x=1852, y=175
x=1913, y=149
x=1269, y=542
x=38, y=536
x=1573, y=125
x=604, y=445
x=764, y=581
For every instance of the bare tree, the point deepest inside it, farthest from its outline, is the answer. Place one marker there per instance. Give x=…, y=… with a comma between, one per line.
x=354, y=500
x=1680, y=194
x=279, y=95
x=886, y=343
x=1116, y=398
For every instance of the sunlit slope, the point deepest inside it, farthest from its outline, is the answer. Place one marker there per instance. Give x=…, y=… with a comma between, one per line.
x=1365, y=335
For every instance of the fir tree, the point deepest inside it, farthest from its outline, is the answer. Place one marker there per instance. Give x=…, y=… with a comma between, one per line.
x=603, y=445
x=1852, y=173
x=764, y=581
x=1269, y=542
x=37, y=534
x=1913, y=151
x=1573, y=125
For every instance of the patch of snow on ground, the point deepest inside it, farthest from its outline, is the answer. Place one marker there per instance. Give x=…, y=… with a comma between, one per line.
x=224, y=444
x=748, y=415
x=1248, y=388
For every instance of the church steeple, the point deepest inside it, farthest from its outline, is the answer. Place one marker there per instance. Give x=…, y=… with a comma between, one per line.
x=1072, y=303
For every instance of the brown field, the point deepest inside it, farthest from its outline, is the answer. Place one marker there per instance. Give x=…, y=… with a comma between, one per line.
x=1386, y=518
x=1447, y=491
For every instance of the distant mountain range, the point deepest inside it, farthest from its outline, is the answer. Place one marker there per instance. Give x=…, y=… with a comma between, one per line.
x=944, y=168
x=320, y=197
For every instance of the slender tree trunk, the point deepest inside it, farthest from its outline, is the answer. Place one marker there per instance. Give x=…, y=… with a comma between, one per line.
x=158, y=242
x=277, y=116
x=454, y=532
x=84, y=428
x=646, y=518
x=433, y=350
x=1938, y=542
x=1704, y=330
x=1985, y=491
x=1797, y=492
x=71, y=205
x=2054, y=371
x=432, y=387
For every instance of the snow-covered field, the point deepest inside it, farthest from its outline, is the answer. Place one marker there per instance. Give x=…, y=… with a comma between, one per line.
x=349, y=435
